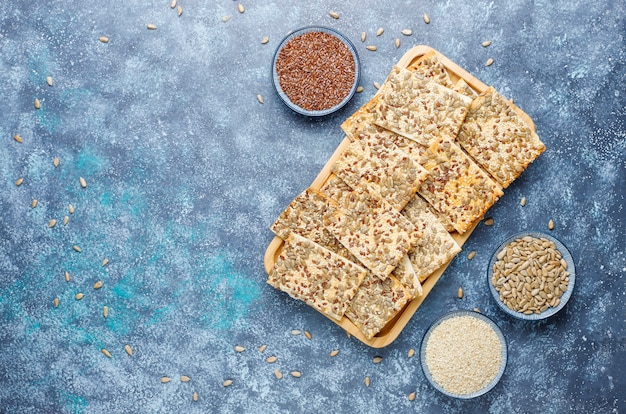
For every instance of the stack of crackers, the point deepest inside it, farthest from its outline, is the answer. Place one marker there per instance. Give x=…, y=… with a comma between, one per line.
x=427, y=158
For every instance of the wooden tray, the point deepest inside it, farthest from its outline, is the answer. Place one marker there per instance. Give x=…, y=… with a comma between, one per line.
x=391, y=331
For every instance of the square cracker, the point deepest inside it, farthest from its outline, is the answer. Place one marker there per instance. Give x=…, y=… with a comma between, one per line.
x=372, y=230
x=498, y=139
x=376, y=303
x=456, y=186
x=315, y=275
x=305, y=216
x=436, y=246
x=335, y=188
x=419, y=109
x=386, y=168
x=431, y=68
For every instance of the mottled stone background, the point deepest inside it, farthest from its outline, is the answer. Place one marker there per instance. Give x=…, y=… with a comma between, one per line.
x=186, y=170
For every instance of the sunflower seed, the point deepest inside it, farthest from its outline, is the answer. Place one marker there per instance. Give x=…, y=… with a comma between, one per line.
x=296, y=332
x=56, y=302
x=334, y=15
x=241, y=8
x=397, y=43
x=66, y=220
x=489, y=222
x=477, y=310
x=308, y=335
x=56, y=161
x=34, y=203
x=128, y=350
x=103, y=39
x=76, y=248
x=278, y=374
x=19, y=181
x=151, y=26
x=426, y=18
x=49, y=81
x=165, y=380
x=173, y=4
x=459, y=293
x=107, y=353
x=265, y=40
x=367, y=381
x=70, y=208
x=411, y=396
x=79, y=296
x=363, y=36
x=411, y=353
x=262, y=348
x=17, y=138
x=179, y=10
x=486, y=43
x=377, y=85
x=380, y=31
x=489, y=62
x=377, y=359
x=239, y=348
x=227, y=383
x=271, y=359
x=359, y=89
x=105, y=261
x=296, y=374
x=371, y=48
x=407, y=32
x=260, y=98
x=522, y=202
x=52, y=223
x=226, y=18
x=98, y=284
x=67, y=276
x=82, y=182
x=184, y=378
x=195, y=396
x=37, y=104
x=551, y=225
x=105, y=311
x=334, y=353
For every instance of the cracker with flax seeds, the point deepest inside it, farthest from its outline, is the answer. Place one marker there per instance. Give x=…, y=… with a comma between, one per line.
x=436, y=246
x=456, y=186
x=498, y=139
x=419, y=109
x=322, y=279
x=372, y=230
x=429, y=66
x=376, y=303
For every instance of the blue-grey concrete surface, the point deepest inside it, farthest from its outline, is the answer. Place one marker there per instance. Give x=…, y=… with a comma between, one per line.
x=186, y=170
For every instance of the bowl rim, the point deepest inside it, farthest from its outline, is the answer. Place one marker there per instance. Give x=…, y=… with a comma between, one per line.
x=357, y=70
x=504, y=355
x=565, y=254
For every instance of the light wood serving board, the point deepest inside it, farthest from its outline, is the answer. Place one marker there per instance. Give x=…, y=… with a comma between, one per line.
x=391, y=331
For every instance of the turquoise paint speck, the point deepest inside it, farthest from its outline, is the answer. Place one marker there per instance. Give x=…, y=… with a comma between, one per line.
x=72, y=403
x=123, y=289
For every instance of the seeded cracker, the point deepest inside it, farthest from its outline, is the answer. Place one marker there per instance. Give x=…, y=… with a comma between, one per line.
x=498, y=139
x=373, y=231
x=419, y=109
x=406, y=275
x=463, y=88
x=376, y=303
x=436, y=246
x=431, y=68
x=305, y=216
x=457, y=187
x=388, y=170
x=336, y=189
x=315, y=275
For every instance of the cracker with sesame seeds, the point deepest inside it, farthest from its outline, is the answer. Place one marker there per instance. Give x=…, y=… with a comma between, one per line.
x=498, y=139
x=372, y=230
x=419, y=109
x=322, y=279
x=436, y=246
x=386, y=168
x=456, y=186
x=376, y=303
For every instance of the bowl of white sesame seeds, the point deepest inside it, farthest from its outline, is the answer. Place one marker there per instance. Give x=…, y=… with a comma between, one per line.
x=463, y=354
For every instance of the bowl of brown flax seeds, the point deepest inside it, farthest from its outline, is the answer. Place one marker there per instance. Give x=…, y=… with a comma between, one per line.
x=531, y=275
x=463, y=354
x=315, y=70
